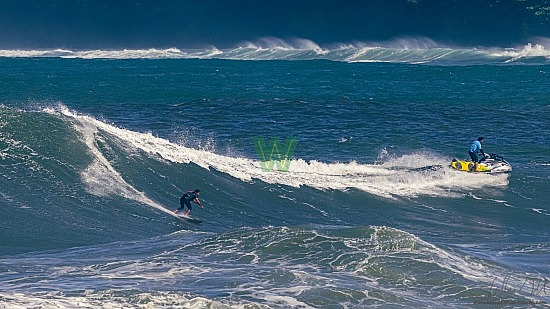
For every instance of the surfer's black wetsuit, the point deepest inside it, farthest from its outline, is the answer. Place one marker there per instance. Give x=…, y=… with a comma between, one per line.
x=185, y=200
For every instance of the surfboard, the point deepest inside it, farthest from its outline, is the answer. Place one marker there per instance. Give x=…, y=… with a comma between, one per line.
x=189, y=219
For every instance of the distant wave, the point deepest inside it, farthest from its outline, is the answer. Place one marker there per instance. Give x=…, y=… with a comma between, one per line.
x=412, y=51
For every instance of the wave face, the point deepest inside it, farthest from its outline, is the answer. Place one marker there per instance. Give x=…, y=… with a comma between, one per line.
x=414, y=51
x=78, y=181
x=95, y=154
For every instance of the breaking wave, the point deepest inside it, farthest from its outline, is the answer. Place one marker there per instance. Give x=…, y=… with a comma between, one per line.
x=403, y=50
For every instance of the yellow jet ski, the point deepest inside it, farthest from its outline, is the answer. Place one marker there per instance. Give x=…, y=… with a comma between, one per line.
x=493, y=163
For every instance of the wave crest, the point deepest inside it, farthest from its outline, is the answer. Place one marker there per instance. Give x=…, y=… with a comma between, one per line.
x=399, y=50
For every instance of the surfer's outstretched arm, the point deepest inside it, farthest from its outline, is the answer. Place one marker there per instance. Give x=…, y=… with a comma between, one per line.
x=198, y=202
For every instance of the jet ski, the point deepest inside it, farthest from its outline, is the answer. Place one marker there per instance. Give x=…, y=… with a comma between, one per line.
x=492, y=163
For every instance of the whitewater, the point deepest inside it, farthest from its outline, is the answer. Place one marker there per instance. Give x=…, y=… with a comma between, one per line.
x=401, y=50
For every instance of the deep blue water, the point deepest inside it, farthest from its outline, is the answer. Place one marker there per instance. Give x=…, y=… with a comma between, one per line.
x=190, y=23
x=95, y=153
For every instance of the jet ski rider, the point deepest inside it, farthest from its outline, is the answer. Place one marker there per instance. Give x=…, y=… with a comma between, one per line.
x=475, y=147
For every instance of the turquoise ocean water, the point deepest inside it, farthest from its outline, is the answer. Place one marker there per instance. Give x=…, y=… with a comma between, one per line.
x=96, y=148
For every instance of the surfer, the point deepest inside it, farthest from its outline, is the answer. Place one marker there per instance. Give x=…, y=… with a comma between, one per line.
x=187, y=198
x=475, y=147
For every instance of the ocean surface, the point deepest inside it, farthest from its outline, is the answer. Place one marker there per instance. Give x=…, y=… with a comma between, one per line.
x=96, y=147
